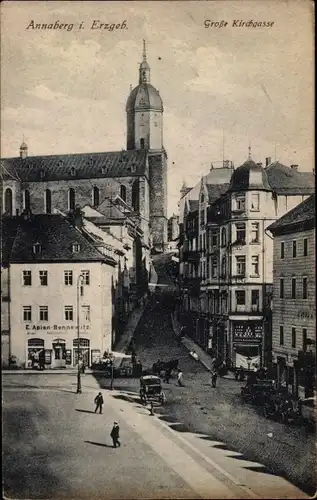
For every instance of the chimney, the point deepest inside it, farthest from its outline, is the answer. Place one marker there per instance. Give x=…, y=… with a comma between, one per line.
x=268, y=161
x=294, y=167
x=260, y=164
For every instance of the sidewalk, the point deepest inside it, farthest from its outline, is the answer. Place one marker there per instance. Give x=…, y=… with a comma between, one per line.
x=190, y=345
x=130, y=328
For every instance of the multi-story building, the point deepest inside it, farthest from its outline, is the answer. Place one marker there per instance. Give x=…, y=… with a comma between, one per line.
x=235, y=255
x=57, y=286
x=294, y=296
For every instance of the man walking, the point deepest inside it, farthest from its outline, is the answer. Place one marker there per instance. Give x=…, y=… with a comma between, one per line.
x=115, y=434
x=180, y=378
x=98, y=402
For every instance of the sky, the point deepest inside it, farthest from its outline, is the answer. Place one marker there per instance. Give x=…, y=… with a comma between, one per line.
x=223, y=88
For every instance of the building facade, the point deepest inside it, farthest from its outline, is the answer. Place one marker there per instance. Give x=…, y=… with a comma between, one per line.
x=138, y=175
x=60, y=289
x=294, y=297
x=234, y=257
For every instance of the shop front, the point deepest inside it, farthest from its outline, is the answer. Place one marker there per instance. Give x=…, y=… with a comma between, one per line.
x=247, y=344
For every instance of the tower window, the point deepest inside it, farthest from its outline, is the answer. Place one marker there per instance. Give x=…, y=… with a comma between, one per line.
x=71, y=199
x=48, y=201
x=136, y=196
x=8, y=201
x=26, y=200
x=142, y=143
x=95, y=196
x=123, y=192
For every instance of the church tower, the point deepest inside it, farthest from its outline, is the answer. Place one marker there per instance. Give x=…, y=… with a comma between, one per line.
x=145, y=131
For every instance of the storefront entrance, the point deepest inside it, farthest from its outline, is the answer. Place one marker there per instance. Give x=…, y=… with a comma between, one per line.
x=35, y=347
x=84, y=351
x=59, y=353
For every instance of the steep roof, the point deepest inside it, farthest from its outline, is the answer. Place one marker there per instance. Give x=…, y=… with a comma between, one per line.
x=249, y=176
x=55, y=235
x=144, y=96
x=288, y=181
x=75, y=166
x=304, y=212
x=216, y=190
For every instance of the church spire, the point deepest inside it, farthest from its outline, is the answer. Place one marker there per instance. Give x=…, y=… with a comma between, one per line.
x=144, y=71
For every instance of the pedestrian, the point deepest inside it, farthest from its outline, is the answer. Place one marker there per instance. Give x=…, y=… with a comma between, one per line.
x=180, y=378
x=98, y=402
x=115, y=434
x=214, y=377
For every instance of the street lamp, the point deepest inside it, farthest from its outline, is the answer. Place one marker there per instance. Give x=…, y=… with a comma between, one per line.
x=80, y=291
x=111, y=358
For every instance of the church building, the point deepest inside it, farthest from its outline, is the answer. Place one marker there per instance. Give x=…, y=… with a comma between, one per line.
x=46, y=184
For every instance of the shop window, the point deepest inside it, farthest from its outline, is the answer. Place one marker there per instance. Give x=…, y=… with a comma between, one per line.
x=305, y=288
x=293, y=288
x=305, y=247
x=281, y=288
x=281, y=335
x=48, y=201
x=43, y=313
x=8, y=206
x=69, y=313
x=43, y=278
x=27, y=313
x=27, y=278
x=95, y=196
x=293, y=337
x=68, y=278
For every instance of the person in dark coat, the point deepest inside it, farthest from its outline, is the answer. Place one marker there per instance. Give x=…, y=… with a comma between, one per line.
x=115, y=434
x=98, y=402
x=214, y=377
x=167, y=376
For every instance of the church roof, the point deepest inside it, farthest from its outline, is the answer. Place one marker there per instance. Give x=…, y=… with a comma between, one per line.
x=304, y=212
x=54, y=233
x=75, y=166
x=249, y=176
x=288, y=181
x=144, y=96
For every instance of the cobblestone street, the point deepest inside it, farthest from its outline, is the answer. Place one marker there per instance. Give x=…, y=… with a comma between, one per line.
x=286, y=450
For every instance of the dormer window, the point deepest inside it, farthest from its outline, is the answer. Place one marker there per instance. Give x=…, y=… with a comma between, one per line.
x=60, y=163
x=37, y=248
x=73, y=171
x=103, y=169
x=133, y=168
x=76, y=248
x=42, y=173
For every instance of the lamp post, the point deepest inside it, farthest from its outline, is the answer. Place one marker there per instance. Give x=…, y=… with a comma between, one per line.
x=80, y=281
x=111, y=357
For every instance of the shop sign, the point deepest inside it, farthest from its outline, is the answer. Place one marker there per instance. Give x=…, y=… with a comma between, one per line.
x=247, y=331
x=54, y=328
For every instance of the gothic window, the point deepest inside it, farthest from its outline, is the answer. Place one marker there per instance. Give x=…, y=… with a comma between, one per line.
x=123, y=192
x=26, y=200
x=48, y=201
x=142, y=143
x=8, y=201
x=136, y=196
x=95, y=196
x=71, y=199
